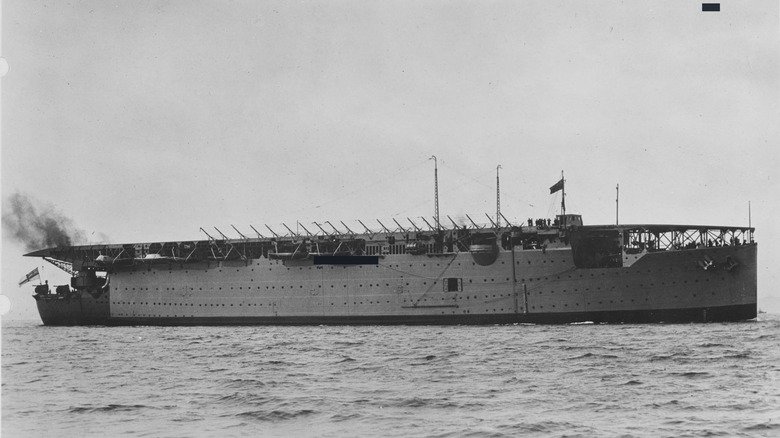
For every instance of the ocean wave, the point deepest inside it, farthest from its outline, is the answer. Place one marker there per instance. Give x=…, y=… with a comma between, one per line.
x=107, y=408
x=674, y=405
x=275, y=415
x=712, y=345
x=762, y=427
x=743, y=355
x=692, y=374
x=672, y=357
x=243, y=383
x=415, y=402
x=355, y=343
x=338, y=418
x=543, y=427
x=627, y=380
x=593, y=355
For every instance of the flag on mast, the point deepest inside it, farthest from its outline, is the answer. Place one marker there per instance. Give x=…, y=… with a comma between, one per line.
x=32, y=275
x=558, y=186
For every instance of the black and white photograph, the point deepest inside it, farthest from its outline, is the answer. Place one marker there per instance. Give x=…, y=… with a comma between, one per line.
x=347, y=218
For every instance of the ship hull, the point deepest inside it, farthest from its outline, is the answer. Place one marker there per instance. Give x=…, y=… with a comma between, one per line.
x=703, y=314
x=72, y=314
x=75, y=309
x=520, y=286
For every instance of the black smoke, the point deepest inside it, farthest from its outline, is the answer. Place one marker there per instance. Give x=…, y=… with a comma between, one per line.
x=38, y=225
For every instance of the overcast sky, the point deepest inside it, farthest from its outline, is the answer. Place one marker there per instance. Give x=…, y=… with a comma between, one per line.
x=143, y=121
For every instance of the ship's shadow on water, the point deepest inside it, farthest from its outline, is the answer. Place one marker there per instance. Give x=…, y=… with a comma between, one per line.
x=504, y=380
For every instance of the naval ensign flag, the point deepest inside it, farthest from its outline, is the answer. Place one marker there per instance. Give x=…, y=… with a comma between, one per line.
x=29, y=277
x=557, y=186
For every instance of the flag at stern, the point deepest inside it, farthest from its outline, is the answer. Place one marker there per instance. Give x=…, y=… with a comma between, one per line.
x=32, y=275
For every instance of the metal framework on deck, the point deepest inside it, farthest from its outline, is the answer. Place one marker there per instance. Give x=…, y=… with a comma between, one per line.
x=638, y=238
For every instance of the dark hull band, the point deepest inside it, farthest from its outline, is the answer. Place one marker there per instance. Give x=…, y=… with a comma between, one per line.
x=731, y=313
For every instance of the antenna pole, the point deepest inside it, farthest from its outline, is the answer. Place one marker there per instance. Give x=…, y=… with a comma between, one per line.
x=292, y=233
x=498, y=197
x=384, y=227
x=269, y=229
x=258, y=233
x=436, y=189
x=239, y=232
x=207, y=234
x=563, y=196
x=403, y=230
x=321, y=229
x=509, y=224
x=617, y=203
x=334, y=228
x=305, y=229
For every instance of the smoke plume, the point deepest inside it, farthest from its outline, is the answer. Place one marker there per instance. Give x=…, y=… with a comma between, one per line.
x=37, y=225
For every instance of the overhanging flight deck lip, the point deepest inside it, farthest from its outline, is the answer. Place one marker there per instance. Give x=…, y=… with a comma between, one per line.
x=48, y=252
x=40, y=253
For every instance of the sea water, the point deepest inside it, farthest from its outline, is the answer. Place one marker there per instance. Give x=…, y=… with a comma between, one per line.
x=398, y=381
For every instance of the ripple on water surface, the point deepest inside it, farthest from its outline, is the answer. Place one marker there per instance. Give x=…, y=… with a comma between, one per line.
x=573, y=380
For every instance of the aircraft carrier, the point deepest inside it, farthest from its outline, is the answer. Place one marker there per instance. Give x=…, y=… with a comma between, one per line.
x=407, y=272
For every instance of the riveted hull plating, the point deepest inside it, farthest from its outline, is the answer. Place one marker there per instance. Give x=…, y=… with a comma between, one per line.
x=520, y=286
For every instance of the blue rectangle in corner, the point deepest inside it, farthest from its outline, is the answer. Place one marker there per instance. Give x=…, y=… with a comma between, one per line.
x=710, y=7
